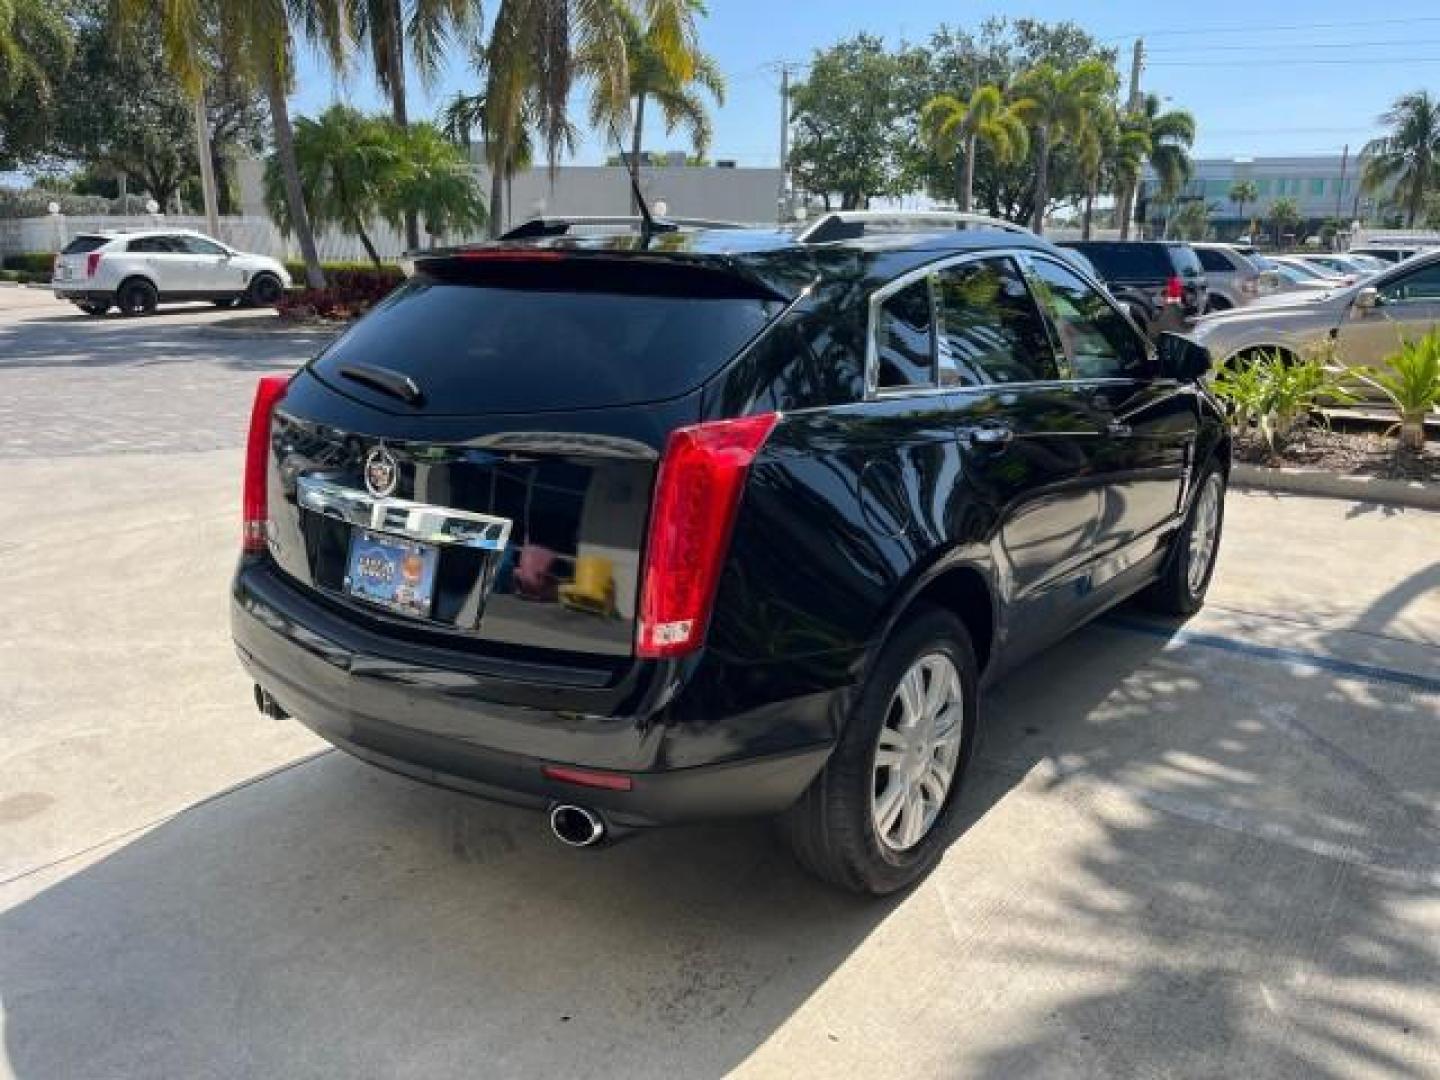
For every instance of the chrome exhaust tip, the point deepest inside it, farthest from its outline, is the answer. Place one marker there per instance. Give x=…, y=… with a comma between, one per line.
x=575, y=826
x=268, y=705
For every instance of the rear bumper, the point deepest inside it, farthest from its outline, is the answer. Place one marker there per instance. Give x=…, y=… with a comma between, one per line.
x=454, y=729
x=77, y=293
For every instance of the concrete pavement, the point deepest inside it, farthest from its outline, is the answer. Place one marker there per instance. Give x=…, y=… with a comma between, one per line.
x=1197, y=851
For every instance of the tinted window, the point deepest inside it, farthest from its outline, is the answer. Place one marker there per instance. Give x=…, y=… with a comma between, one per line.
x=195, y=245
x=1128, y=261
x=600, y=335
x=905, y=340
x=990, y=329
x=153, y=245
x=83, y=244
x=1098, y=340
x=1214, y=261
x=1419, y=284
x=1184, y=260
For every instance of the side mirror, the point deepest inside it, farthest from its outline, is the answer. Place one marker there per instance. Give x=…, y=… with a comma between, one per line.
x=1182, y=359
x=1367, y=299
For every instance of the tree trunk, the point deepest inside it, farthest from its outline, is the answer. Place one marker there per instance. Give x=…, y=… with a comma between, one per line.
x=636, y=138
x=1412, y=431
x=398, y=104
x=290, y=170
x=1090, y=191
x=967, y=191
x=359, y=228
x=497, y=189
x=1042, y=178
x=1125, y=208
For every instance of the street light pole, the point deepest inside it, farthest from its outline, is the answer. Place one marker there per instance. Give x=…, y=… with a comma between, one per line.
x=782, y=199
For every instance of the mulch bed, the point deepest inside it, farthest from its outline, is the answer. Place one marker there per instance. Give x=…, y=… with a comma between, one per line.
x=1348, y=453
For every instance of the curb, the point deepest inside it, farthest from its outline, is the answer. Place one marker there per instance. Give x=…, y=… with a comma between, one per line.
x=1413, y=493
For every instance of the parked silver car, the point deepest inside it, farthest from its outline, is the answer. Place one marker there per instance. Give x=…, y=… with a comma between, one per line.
x=1234, y=279
x=1367, y=321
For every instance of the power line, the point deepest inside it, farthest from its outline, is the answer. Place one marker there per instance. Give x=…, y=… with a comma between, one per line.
x=1251, y=62
x=1271, y=46
x=1261, y=28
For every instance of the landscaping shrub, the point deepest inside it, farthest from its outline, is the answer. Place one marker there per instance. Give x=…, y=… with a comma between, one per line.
x=1412, y=385
x=297, y=269
x=1273, y=393
x=349, y=294
x=31, y=262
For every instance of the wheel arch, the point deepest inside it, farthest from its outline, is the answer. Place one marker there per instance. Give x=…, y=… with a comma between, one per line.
x=964, y=588
x=133, y=276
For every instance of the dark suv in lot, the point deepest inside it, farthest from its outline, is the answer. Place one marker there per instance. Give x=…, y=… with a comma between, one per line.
x=1161, y=283
x=648, y=530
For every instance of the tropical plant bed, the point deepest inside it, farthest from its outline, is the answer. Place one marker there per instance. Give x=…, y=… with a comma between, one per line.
x=1362, y=454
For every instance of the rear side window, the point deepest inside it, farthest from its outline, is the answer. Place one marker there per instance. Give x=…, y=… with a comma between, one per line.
x=531, y=338
x=153, y=245
x=990, y=329
x=1098, y=340
x=82, y=245
x=1214, y=261
x=905, y=339
x=1186, y=264
x=1128, y=261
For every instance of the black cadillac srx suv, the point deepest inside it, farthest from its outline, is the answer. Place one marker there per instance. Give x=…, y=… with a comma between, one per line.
x=704, y=524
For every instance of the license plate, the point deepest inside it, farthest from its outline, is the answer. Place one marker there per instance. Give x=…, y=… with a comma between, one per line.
x=391, y=572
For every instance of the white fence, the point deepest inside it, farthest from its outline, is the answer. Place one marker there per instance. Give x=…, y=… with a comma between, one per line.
x=257, y=234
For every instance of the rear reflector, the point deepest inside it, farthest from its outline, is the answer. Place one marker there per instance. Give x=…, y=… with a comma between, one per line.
x=588, y=777
x=1174, y=290
x=255, y=509
x=702, y=474
x=92, y=263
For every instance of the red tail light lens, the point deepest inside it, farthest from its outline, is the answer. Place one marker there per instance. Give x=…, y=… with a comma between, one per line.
x=607, y=781
x=1174, y=290
x=696, y=495
x=92, y=263
x=255, y=509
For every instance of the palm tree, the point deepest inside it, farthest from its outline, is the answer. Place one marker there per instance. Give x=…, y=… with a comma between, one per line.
x=432, y=180
x=1242, y=194
x=28, y=30
x=955, y=127
x=1171, y=134
x=1409, y=157
x=346, y=161
x=532, y=60
x=1057, y=104
x=460, y=120
x=256, y=38
x=671, y=81
x=1284, y=213
x=429, y=26
x=1110, y=148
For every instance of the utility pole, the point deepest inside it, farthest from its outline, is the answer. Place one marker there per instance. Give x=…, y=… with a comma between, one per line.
x=1340, y=188
x=1126, y=208
x=207, y=169
x=782, y=198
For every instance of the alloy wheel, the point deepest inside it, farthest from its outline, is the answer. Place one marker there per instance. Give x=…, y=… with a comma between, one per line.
x=1204, y=533
x=917, y=752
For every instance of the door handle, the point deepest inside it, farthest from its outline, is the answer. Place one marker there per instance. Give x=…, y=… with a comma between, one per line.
x=992, y=435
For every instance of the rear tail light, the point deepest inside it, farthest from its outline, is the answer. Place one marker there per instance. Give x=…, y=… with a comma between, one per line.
x=697, y=494
x=92, y=263
x=255, y=508
x=1174, y=290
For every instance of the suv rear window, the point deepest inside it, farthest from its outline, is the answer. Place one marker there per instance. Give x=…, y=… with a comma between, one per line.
x=1184, y=260
x=83, y=245
x=581, y=333
x=1127, y=261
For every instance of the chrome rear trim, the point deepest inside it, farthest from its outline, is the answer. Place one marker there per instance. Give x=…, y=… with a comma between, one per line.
x=400, y=517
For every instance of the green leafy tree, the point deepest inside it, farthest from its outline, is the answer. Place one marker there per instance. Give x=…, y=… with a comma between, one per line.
x=1191, y=221
x=1057, y=105
x=257, y=39
x=1409, y=156
x=347, y=161
x=1171, y=134
x=433, y=181
x=1242, y=193
x=845, y=119
x=422, y=28
x=955, y=127
x=674, y=83
x=1284, y=217
x=35, y=52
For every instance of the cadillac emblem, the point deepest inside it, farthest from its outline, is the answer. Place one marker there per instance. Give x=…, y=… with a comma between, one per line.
x=382, y=472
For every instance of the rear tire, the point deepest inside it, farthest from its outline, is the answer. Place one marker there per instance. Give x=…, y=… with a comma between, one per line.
x=1191, y=564
x=265, y=291
x=840, y=830
x=95, y=309
x=136, y=297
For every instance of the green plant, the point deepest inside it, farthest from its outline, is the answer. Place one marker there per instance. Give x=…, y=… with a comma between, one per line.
x=1412, y=386
x=955, y=126
x=32, y=262
x=1273, y=392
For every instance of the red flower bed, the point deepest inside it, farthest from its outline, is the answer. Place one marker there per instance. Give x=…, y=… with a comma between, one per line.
x=348, y=294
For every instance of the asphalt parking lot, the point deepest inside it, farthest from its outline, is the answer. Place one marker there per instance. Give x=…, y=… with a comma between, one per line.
x=1193, y=851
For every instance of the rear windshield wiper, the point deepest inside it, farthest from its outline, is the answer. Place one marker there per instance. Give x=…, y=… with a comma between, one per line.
x=395, y=383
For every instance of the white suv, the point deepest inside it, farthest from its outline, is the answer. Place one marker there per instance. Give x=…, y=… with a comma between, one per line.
x=135, y=271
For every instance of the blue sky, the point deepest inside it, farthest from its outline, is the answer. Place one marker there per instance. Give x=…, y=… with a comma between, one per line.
x=1261, y=78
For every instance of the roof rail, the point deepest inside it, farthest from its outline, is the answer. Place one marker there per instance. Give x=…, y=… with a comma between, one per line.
x=561, y=226
x=852, y=224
